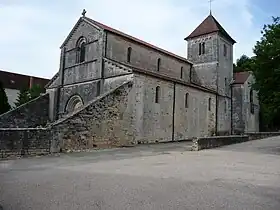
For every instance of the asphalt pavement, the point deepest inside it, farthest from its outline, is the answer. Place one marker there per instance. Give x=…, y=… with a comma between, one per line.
x=163, y=176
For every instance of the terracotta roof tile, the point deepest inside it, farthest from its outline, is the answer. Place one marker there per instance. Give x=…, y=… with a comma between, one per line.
x=240, y=77
x=112, y=30
x=209, y=25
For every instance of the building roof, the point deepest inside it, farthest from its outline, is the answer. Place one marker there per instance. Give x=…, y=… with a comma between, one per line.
x=241, y=77
x=209, y=25
x=19, y=81
x=139, y=41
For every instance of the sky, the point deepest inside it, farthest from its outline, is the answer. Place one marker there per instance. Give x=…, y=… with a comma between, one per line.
x=32, y=31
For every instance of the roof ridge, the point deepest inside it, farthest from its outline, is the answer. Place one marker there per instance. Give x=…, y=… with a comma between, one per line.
x=118, y=32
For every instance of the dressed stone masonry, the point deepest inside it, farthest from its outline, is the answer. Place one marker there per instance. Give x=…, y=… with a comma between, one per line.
x=113, y=89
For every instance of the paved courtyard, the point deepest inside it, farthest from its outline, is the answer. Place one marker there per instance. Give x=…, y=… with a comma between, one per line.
x=165, y=176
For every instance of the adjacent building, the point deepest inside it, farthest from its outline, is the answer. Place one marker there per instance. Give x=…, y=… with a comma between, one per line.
x=13, y=83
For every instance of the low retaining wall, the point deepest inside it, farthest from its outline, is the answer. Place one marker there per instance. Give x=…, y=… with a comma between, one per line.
x=24, y=141
x=29, y=115
x=216, y=141
x=262, y=135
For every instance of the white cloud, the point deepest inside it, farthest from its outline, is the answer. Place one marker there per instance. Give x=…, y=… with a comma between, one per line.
x=33, y=34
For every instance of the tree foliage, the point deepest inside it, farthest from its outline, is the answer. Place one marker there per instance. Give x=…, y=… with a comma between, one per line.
x=26, y=95
x=267, y=73
x=244, y=63
x=4, y=105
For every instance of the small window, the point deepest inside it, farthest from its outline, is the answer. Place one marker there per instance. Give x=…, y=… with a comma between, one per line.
x=225, y=50
x=182, y=70
x=158, y=64
x=128, y=55
x=252, y=102
x=82, y=52
x=251, y=96
x=98, y=87
x=187, y=100
x=203, y=48
x=200, y=46
x=225, y=106
x=226, y=85
x=209, y=104
x=157, y=94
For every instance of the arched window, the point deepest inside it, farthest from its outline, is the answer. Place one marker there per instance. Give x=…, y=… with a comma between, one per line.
x=157, y=94
x=81, y=50
x=158, y=64
x=225, y=50
x=203, y=48
x=182, y=70
x=209, y=104
x=225, y=106
x=187, y=100
x=74, y=103
x=128, y=55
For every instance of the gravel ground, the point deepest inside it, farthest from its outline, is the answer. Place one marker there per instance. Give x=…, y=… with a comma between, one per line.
x=163, y=176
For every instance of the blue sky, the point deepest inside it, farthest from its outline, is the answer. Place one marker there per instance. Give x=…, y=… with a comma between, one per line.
x=32, y=31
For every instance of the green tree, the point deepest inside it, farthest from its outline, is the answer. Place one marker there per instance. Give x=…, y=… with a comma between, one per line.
x=26, y=95
x=23, y=97
x=244, y=63
x=4, y=105
x=267, y=73
x=35, y=91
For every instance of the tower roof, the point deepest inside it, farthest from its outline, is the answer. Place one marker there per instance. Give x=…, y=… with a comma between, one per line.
x=209, y=25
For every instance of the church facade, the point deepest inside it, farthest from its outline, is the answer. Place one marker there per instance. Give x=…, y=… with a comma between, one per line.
x=173, y=98
x=114, y=89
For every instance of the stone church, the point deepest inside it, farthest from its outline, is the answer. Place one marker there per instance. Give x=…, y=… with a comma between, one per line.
x=113, y=89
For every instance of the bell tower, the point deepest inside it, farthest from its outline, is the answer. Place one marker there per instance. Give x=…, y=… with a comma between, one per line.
x=210, y=48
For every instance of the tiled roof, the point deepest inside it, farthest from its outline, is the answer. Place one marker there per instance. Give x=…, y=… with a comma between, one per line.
x=19, y=81
x=112, y=30
x=209, y=25
x=240, y=77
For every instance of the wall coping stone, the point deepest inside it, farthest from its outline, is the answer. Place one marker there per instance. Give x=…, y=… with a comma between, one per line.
x=29, y=102
x=201, y=143
x=24, y=129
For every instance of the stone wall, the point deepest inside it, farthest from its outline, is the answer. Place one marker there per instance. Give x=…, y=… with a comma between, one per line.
x=146, y=57
x=261, y=135
x=32, y=114
x=152, y=121
x=217, y=141
x=211, y=49
x=90, y=69
x=225, y=68
x=24, y=141
x=205, y=74
x=251, y=119
x=87, y=91
x=238, y=124
x=224, y=116
x=193, y=119
x=104, y=122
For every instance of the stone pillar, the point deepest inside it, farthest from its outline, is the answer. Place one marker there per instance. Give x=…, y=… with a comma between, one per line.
x=61, y=81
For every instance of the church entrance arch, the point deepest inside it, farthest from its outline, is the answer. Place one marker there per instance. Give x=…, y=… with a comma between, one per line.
x=74, y=103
